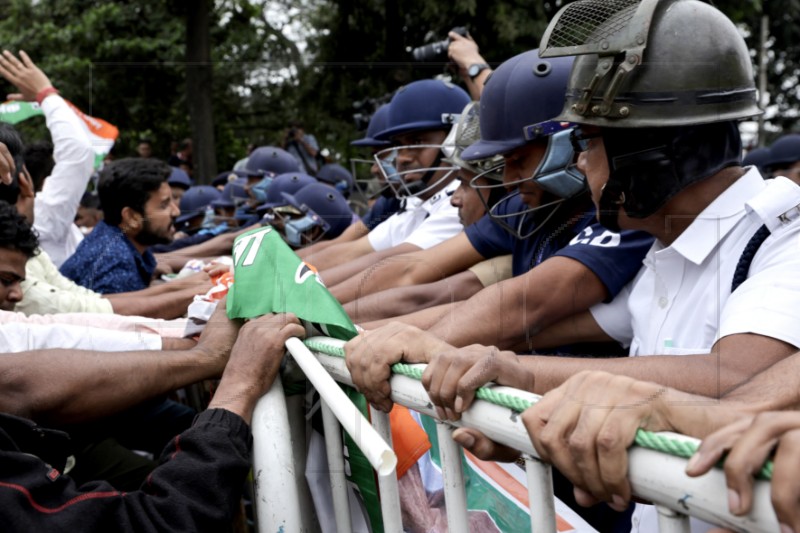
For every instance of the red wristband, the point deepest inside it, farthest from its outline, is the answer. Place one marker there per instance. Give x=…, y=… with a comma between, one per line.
x=44, y=93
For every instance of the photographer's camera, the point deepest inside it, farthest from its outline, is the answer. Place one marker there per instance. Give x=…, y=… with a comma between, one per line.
x=436, y=50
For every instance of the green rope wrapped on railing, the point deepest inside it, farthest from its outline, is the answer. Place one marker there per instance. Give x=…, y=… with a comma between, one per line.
x=643, y=438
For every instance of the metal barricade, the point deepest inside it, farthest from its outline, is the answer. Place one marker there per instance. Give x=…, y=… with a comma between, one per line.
x=655, y=476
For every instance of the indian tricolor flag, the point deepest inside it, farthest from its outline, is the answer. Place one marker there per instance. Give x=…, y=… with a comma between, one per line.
x=101, y=133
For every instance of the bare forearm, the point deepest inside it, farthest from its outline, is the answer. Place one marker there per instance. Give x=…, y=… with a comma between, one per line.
x=580, y=328
x=219, y=245
x=702, y=374
x=363, y=277
x=423, y=319
x=402, y=301
x=513, y=311
x=338, y=254
x=776, y=388
x=68, y=386
x=207, y=251
x=494, y=316
x=166, y=305
x=352, y=274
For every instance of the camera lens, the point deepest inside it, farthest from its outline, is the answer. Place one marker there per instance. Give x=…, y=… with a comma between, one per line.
x=432, y=51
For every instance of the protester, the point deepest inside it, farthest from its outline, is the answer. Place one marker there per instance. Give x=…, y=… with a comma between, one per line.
x=89, y=213
x=56, y=202
x=182, y=157
x=81, y=385
x=47, y=291
x=144, y=148
x=138, y=211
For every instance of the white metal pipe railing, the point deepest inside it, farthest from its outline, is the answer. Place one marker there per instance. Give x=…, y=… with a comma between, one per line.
x=655, y=476
x=540, y=492
x=375, y=449
x=333, y=444
x=455, y=495
x=278, y=486
x=387, y=483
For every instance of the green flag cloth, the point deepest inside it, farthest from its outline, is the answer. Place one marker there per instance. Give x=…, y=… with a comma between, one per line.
x=269, y=277
x=14, y=112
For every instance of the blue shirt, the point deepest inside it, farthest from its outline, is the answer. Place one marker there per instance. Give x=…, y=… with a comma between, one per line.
x=382, y=209
x=615, y=258
x=107, y=262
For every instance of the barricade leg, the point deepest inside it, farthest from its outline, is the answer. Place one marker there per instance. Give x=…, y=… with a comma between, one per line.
x=276, y=498
x=455, y=496
x=333, y=443
x=390, y=495
x=540, y=492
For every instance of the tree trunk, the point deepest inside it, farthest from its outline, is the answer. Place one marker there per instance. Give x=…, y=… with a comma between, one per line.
x=198, y=90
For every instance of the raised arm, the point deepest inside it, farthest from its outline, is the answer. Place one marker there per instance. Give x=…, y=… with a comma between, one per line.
x=57, y=203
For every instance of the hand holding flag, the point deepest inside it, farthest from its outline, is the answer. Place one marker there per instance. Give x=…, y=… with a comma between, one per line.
x=270, y=278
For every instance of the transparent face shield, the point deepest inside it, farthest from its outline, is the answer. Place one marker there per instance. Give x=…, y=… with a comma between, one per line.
x=295, y=230
x=280, y=216
x=557, y=175
x=374, y=184
x=398, y=180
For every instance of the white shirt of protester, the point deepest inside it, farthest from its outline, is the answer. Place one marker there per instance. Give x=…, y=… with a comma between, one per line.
x=55, y=206
x=21, y=337
x=680, y=302
x=423, y=223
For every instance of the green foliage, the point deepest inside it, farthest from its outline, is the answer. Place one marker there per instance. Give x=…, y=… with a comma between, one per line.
x=123, y=61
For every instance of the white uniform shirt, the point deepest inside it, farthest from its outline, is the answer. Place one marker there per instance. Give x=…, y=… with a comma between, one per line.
x=55, y=206
x=423, y=224
x=680, y=303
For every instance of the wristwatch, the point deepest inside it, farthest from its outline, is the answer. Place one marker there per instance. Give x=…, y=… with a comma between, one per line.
x=475, y=69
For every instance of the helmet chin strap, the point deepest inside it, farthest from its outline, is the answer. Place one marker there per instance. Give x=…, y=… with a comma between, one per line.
x=612, y=197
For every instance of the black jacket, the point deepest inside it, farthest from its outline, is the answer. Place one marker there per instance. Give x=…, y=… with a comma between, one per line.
x=196, y=487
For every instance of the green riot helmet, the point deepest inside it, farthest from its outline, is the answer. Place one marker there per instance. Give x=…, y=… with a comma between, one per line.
x=666, y=81
x=651, y=63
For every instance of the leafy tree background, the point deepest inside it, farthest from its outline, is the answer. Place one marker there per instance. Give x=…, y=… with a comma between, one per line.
x=126, y=61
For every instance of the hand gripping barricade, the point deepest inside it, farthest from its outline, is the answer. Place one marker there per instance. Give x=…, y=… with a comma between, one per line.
x=281, y=495
x=656, y=462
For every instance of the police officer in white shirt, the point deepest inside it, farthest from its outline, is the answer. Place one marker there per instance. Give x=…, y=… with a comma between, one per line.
x=419, y=118
x=657, y=91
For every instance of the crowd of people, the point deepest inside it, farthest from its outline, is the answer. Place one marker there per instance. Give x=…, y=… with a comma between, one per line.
x=585, y=227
